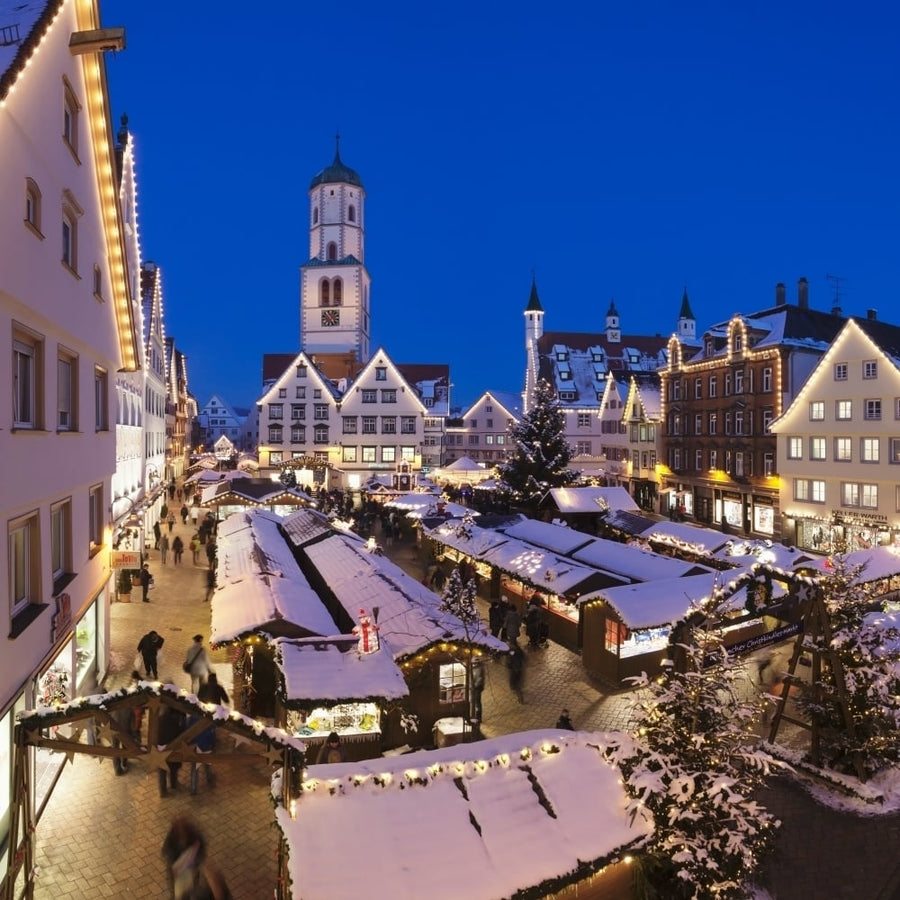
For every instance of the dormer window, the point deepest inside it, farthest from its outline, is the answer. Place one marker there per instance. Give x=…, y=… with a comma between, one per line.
x=708, y=348
x=738, y=342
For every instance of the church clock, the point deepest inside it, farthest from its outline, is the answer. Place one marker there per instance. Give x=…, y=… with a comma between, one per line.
x=330, y=317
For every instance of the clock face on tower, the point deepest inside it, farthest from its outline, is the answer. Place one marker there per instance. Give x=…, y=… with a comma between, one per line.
x=330, y=317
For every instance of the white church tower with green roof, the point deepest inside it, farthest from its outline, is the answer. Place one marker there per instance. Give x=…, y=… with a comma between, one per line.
x=334, y=282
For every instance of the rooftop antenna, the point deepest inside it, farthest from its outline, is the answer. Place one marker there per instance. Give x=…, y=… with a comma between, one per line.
x=836, y=280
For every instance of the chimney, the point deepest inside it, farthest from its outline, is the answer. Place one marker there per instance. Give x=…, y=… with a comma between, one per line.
x=872, y=315
x=779, y=294
x=803, y=293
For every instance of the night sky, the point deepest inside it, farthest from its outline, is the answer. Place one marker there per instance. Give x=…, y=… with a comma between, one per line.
x=619, y=151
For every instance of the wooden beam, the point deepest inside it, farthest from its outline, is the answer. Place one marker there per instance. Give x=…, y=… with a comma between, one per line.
x=97, y=40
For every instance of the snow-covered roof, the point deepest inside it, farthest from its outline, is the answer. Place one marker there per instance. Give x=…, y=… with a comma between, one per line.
x=332, y=671
x=480, y=541
x=585, y=499
x=237, y=488
x=481, y=821
x=541, y=568
x=635, y=562
x=464, y=464
x=559, y=538
x=746, y=552
x=879, y=562
x=688, y=537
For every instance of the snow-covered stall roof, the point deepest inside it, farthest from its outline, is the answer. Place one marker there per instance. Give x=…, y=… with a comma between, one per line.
x=742, y=552
x=307, y=525
x=637, y=563
x=260, y=585
x=409, y=615
x=333, y=671
x=879, y=562
x=453, y=534
x=480, y=821
x=558, y=538
x=239, y=489
x=682, y=536
x=592, y=499
x=418, y=506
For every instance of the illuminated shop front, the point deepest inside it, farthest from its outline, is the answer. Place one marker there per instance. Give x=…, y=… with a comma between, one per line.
x=838, y=531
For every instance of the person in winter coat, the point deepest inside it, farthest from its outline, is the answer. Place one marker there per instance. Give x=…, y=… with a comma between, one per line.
x=512, y=623
x=195, y=548
x=184, y=513
x=212, y=691
x=564, y=721
x=163, y=548
x=171, y=521
x=496, y=615
x=149, y=646
x=157, y=532
x=178, y=549
x=146, y=581
x=197, y=664
x=171, y=724
x=517, y=671
x=331, y=751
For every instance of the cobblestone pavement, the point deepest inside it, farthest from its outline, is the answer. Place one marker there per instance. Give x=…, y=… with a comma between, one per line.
x=100, y=835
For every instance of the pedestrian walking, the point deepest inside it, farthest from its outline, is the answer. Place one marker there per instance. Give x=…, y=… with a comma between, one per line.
x=496, y=614
x=149, y=647
x=146, y=580
x=189, y=872
x=211, y=551
x=564, y=721
x=157, y=531
x=438, y=580
x=210, y=584
x=184, y=514
x=195, y=514
x=196, y=663
x=171, y=522
x=512, y=623
x=171, y=723
x=516, y=665
x=178, y=549
x=213, y=692
x=195, y=548
x=163, y=548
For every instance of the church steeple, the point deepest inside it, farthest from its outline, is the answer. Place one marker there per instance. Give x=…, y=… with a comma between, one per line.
x=534, y=330
x=613, y=332
x=687, y=324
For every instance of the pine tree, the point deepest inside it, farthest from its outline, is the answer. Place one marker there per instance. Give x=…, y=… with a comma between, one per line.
x=868, y=650
x=693, y=761
x=541, y=454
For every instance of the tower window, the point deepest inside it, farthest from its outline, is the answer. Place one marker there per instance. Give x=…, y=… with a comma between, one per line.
x=338, y=291
x=351, y=213
x=324, y=292
x=331, y=252
x=315, y=215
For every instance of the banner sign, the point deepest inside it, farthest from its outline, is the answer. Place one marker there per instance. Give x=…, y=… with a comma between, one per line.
x=124, y=559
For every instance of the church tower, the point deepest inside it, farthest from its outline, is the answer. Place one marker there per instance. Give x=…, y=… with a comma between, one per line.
x=613, y=332
x=687, y=324
x=534, y=329
x=334, y=282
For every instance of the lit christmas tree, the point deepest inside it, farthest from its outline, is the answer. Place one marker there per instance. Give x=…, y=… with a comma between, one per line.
x=541, y=454
x=694, y=762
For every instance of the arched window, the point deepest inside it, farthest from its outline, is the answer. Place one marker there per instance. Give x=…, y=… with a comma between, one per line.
x=351, y=213
x=331, y=252
x=315, y=215
x=338, y=291
x=33, y=205
x=324, y=292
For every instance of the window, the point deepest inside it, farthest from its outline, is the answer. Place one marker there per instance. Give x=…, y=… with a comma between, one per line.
x=320, y=434
x=98, y=283
x=489, y=439
x=473, y=440
x=301, y=373
x=301, y=393
x=389, y=395
x=331, y=251
x=768, y=464
x=842, y=449
x=713, y=423
x=24, y=562
x=581, y=448
x=368, y=454
x=337, y=289
x=317, y=393
x=282, y=392
x=27, y=367
x=71, y=212
x=298, y=434
x=33, y=206
x=276, y=457
x=698, y=423
x=315, y=215
x=738, y=341
x=66, y=392
x=698, y=388
x=817, y=448
x=840, y=371
x=676, y=390
x=71, y=111
x=739, y=422
x=801, y=489
x=501, y=438
x=60, y=540
x=584, y=420
x=713, y=385
x=369, y=396
x=728, y=384
x=817, y=411
x=870, y=368
x=843, y=410
x=767, y=417
x=849, y=493
x=388, y=454
x=298, y=411
x=452, y=679
x=369, y=425
x=698, y=460
x=407, y=453
x=320, y=412
x=276, y=410
x=348, y=454
x=101, y=399
x=616, y=634
x=767, y=380
x=870, y=450
x=728, y=423
x=95, y=517
x=381, y=373
x=388, y=424
x=895, y=451
x=350, y=424
x=351, y=213
x=872, y=410
x=739, y=381
x=276, y=434
x=407, y=424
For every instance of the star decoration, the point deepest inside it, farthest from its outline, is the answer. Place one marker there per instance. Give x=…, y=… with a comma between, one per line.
x=274, y=756
x=156, y=758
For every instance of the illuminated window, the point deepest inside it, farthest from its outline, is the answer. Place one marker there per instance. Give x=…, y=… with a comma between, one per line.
x=368, y=454
x=795, y=448
x=348, y=454
x=388, y=454
x=843, y=410
x=452, y=683
x=843, y=449
x=870, y=450
x=817, y=411
x=407, y=453
x=276, y=457
x=817, y=448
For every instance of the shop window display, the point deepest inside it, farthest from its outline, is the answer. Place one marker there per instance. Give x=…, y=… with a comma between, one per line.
x=86, y=644
x=344, y=718
x=452, y=683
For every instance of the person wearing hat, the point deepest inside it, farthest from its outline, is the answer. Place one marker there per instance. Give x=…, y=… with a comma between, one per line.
x=332, y=751
x=196, y=663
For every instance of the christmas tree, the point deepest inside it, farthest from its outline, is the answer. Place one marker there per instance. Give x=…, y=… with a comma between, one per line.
x=541, y=454
x=693, y=761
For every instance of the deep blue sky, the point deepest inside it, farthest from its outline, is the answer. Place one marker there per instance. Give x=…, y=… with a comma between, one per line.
x=618, y=150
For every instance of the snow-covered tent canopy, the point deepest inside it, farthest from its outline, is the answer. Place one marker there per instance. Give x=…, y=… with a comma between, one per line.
x=463, y=471
x=205, y=477
x=464, y=464
x=535, y=807
x=686, y=538
x=879, y=562
x=634, y=562
x=583, y=500
x=558, y=538
x=740, y=552
x=330, y=670
x=239, y=490
x=420, y=506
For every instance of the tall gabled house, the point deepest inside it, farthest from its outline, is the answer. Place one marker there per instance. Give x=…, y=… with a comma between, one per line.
x=69, y=328
x=482, y=432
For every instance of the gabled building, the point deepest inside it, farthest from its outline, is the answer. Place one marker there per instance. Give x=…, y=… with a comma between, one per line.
x=432, y=383
x=218, y=417
x=719, y=402
x=580, y=367
x=155, y=384
x=178, y=424
x=641, y=417
x=839, y=445
x=69, y=327
x=482, y=432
